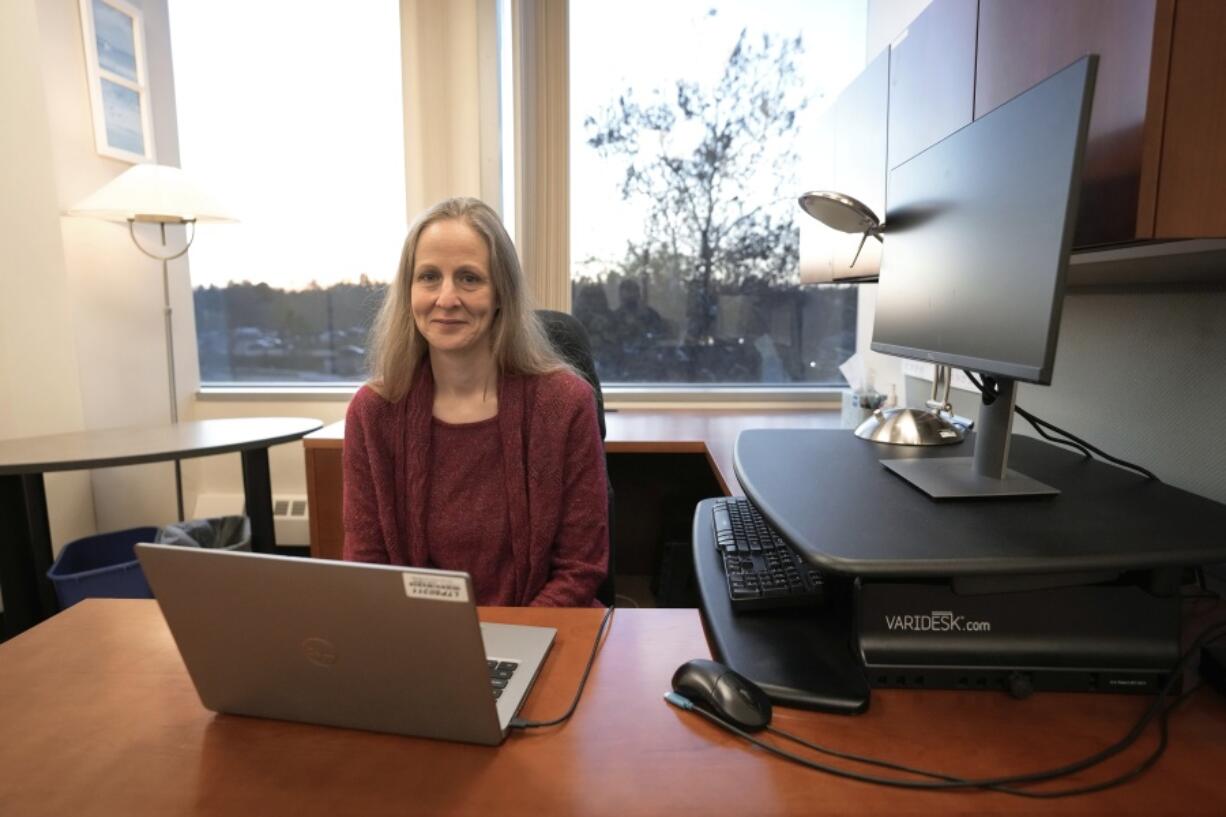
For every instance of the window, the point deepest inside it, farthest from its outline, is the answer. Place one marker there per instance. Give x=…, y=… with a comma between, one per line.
x=687, y=131
x=293, y=114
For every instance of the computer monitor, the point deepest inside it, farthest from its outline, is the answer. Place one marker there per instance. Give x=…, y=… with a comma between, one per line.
x=978, y=231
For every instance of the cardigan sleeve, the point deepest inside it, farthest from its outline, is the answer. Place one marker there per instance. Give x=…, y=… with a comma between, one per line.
x=580, y=556
x=360, y=512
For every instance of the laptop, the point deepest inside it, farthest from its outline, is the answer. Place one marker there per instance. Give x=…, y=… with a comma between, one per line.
x=376, y=647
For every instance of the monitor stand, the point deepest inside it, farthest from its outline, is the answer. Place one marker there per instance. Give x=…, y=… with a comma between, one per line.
x=986, y=475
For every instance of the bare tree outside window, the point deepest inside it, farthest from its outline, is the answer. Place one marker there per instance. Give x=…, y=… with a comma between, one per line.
x=706, y=289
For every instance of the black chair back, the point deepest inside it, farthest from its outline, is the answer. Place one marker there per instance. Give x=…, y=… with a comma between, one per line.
x=570, y=340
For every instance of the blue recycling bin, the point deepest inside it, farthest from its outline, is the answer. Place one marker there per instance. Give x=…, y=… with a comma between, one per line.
x=105, y=565
x=101, y=566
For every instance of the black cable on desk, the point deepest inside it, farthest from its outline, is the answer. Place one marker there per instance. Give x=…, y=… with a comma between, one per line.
x=1124, y=777
x=517, y=723
x=944, y=782
x=1005, y=784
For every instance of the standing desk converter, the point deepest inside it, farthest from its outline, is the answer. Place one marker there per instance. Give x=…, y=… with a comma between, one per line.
x=828, y=495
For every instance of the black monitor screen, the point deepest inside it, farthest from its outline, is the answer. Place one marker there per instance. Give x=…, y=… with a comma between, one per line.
x=978, y=232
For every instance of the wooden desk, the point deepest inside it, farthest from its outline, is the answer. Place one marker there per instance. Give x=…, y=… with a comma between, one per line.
x=25, y=534
x=100, y=718
x=710, y=434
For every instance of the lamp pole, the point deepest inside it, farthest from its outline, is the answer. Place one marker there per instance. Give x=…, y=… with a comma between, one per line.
x=168, y=320
x=157, y=194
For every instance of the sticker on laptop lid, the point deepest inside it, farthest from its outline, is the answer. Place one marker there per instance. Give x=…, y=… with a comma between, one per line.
x=437, y=588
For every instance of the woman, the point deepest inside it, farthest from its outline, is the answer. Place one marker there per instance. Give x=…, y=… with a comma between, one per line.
x=474, y=447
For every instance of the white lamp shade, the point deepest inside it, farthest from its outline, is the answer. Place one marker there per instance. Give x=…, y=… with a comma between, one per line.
x=152, y=192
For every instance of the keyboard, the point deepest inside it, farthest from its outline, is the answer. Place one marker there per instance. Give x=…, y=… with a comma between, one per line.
x=500, y=673
x=762, y=571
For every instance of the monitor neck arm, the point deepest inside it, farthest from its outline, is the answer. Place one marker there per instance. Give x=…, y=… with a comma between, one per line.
x=992, y=430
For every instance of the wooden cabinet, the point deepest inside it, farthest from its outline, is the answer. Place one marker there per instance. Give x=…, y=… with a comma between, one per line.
x=324, y=491
x=1020, y=44
x=860, y=117
x=1155, y=163
x=910, y=96
x=817, y=241
x=847, y=154
x=932, y=78
x=1191, y=186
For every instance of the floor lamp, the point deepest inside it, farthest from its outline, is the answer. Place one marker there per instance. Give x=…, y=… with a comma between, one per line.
x=161, y=195
x=933, y=425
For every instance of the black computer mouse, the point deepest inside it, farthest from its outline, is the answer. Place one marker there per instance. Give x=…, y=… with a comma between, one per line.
x=724, y=693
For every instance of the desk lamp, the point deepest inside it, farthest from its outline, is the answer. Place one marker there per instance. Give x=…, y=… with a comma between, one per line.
x=898, y=426
x=161, y=195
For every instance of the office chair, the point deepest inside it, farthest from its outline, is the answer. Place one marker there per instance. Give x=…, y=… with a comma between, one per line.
x=570, y=341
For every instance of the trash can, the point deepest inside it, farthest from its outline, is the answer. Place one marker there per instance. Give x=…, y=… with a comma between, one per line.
x=105, y=565
x=220, y=532
x=101, y=566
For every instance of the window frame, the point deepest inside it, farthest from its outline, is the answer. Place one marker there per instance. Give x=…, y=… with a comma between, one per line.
x=537, y=31
x=556, y=40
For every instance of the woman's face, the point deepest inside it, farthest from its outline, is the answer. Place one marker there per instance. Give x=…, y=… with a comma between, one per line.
x=452, y=293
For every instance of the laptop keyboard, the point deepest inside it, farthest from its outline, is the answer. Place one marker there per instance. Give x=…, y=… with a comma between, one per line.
x=500, y=674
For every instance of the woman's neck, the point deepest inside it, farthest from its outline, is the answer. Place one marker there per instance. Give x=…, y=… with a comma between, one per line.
x=465, y=386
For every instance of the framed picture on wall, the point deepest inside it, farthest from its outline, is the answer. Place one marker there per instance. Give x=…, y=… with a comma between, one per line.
x=114, y=36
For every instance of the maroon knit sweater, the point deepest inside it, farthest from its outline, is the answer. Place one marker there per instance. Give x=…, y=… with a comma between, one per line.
x=552, y=478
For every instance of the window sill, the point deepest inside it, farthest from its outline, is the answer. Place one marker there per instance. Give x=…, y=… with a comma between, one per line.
x=723, y=397
x=317, y=393
x=615, y=396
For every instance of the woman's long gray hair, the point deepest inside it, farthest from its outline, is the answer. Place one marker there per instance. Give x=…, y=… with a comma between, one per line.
x=519, y=343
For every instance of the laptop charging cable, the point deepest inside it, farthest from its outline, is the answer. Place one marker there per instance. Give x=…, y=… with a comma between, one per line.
x=518, y=723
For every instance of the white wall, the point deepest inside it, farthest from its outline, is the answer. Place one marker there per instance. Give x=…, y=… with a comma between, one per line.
x=39, y=387
x=115, y=292
x=1139, y=375
x=81, y=322
x=223, y=474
